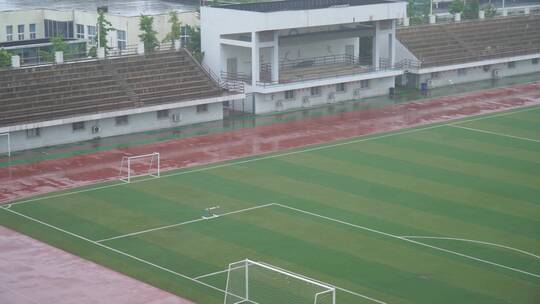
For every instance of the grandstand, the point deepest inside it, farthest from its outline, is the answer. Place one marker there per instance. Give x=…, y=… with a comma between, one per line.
x=472, y=50
x=82, y=100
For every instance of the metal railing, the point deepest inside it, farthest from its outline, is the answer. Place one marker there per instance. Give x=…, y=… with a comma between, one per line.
x=321, y=60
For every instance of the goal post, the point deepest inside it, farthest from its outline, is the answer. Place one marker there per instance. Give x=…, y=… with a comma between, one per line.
x=250, y=282
x=139, y=165
x=5, y=144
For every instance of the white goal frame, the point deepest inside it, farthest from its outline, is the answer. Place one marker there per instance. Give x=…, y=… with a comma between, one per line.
x=245, y=298
x=8, y=142
x=126, y=163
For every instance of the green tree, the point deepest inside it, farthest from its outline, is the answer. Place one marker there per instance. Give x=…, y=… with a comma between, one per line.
x=489, y=10
x=193, y=43
x=104, y=26
x=176, y=27
x=58, y=45
x=471, y=9
x=148, y=35
x=456, y=7
x=5, y=58
x=410, y=8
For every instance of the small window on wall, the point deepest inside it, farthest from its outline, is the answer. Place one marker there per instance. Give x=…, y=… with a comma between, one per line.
x=92, y=32
x=511, y=64
x=20, y=30
x=80, y=31
x=364, y=84
x=78, y=126
x=36, y=132
x=462, y=72
x=315, y=91
x=435, y=75
x=486, y=68
x=534, y=61
x=32, y=30
x=121, y=39
x=340, y=87
x=289, y=94
x=121, y=120
x=9, y=32
x=163, y=114
x=203, y=108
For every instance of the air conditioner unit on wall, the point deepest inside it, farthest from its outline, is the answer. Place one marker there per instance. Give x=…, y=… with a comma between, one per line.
x=176, y=117
x=331, y=97
x=305, y=100
x=95, y=129
x=279, y=105
x=497, y=74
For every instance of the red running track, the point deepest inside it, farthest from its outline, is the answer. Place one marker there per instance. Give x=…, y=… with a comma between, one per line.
x=25, y=180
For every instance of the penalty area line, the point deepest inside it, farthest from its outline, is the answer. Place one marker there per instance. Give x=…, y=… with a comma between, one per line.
x=493, y=133
x=409, y=240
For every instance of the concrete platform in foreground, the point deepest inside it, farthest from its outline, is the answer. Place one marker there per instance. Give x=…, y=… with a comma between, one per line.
x=33, y=272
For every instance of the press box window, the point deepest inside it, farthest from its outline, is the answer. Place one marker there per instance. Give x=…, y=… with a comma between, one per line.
x=121, y=120
x=289, y=94
x=511, y=65
x=78, y=126
x=340, y=87
x=315, y=91
x=36, y=132
x=163, y=114
x=202, y=108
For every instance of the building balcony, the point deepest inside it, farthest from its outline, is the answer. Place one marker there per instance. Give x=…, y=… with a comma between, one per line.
x=308, y=70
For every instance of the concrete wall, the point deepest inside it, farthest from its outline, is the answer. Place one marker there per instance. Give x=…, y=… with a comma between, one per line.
x=266, y=103
x=444, y=78
x=62, y=134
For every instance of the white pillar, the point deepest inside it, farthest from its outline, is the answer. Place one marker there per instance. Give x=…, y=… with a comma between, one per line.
x=59, y=57
x=526, y=10
x=406, y=21
x=392, y=43
x=100, y=52
x=457, y=17
x=375, y=50
x=15, y=61
x=275, y=59
x=481, y=14
x=177, y=45
x=255, y=65
x=505, y=12
x=140, y=48
x=432, y=19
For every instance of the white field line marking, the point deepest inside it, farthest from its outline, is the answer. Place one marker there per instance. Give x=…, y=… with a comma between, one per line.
x=114, y=250
x=319, y=147
x=495, y=133
x=471, y=241
x=183, y=223
x=410, y=241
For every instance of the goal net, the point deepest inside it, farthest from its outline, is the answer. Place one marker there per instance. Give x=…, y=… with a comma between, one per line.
x=139, y=165
x=250, y=282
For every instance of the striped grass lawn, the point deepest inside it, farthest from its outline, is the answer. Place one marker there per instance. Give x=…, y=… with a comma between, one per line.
x=444, y=214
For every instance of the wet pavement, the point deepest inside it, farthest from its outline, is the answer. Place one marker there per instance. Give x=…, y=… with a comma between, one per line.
x=116, y=7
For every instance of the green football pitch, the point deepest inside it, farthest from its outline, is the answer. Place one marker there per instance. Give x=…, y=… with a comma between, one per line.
x=446, y=213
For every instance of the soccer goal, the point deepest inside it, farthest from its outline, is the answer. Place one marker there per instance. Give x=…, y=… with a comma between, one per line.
x=5, y=144
x=139, y=165
x=250, y=282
